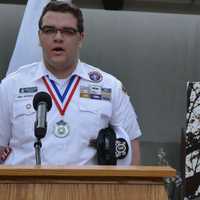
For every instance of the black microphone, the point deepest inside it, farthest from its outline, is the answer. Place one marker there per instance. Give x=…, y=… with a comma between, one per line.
x=42, y=104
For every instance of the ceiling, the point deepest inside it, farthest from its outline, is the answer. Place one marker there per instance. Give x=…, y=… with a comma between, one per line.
x=173, y=6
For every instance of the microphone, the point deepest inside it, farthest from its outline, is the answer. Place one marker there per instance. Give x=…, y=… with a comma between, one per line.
x=42, y=104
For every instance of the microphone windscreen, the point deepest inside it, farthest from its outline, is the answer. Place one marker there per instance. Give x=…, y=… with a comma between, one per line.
x=42, y=97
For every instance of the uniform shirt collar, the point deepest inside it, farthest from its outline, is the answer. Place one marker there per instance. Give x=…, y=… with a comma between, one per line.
x=80, y=71
x=41, y=71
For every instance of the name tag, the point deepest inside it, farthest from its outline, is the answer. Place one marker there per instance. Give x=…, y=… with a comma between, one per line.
x=28, y=90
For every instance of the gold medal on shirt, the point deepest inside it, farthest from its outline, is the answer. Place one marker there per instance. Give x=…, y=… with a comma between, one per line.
x=61, y=129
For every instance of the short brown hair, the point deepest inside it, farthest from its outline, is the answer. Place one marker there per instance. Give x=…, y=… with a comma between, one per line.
x=63, y=7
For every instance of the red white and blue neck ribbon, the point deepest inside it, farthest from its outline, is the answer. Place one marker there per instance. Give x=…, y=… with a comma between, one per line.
x=61, y=101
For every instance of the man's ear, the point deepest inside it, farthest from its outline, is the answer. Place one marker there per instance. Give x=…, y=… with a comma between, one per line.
x=82, y=37
x=39, y=38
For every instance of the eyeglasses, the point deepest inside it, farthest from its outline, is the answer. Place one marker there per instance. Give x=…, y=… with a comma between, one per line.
x=52, y=31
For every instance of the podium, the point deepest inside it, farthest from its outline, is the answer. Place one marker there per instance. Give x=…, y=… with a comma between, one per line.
x=83, y=182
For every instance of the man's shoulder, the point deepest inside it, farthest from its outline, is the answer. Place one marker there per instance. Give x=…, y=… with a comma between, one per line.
x=94, y=71
x=23, y=72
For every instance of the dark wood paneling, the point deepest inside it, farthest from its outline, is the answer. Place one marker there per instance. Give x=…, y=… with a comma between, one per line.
x=13, y=1
x=165, y=6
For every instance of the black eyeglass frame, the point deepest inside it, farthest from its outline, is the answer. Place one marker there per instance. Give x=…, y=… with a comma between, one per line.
x=51, y=30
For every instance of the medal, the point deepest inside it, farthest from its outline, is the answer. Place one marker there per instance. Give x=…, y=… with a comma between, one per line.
x=62, y=129
x=61, y=101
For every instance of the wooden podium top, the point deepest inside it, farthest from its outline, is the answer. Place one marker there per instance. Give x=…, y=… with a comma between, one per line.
x=87, y=171
x=83, y=182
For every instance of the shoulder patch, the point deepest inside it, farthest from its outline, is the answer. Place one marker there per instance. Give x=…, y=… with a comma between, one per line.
x=95, y=76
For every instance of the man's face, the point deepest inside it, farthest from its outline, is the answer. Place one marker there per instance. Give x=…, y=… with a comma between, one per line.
x=60, y=39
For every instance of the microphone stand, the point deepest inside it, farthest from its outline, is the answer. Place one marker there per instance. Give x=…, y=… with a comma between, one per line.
x=37, y=146
x=42, y=104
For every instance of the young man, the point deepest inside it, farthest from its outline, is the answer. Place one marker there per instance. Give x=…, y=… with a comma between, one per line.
x=85, y=99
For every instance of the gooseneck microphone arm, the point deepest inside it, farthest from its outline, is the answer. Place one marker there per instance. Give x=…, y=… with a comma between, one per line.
x=42, y=104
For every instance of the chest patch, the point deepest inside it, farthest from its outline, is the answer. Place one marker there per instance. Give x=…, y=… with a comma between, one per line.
x=95, y=92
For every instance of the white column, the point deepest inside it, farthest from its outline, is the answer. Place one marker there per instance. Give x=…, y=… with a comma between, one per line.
x=27, y=49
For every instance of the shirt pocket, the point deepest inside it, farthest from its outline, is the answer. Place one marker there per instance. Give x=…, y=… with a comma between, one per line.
x=97, y=112
x=23, y=120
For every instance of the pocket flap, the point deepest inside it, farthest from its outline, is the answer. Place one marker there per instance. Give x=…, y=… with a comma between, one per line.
x=22, y=107
x=96, y=106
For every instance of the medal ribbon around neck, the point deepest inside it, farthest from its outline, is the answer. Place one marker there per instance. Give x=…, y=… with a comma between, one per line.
x=61, y=101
